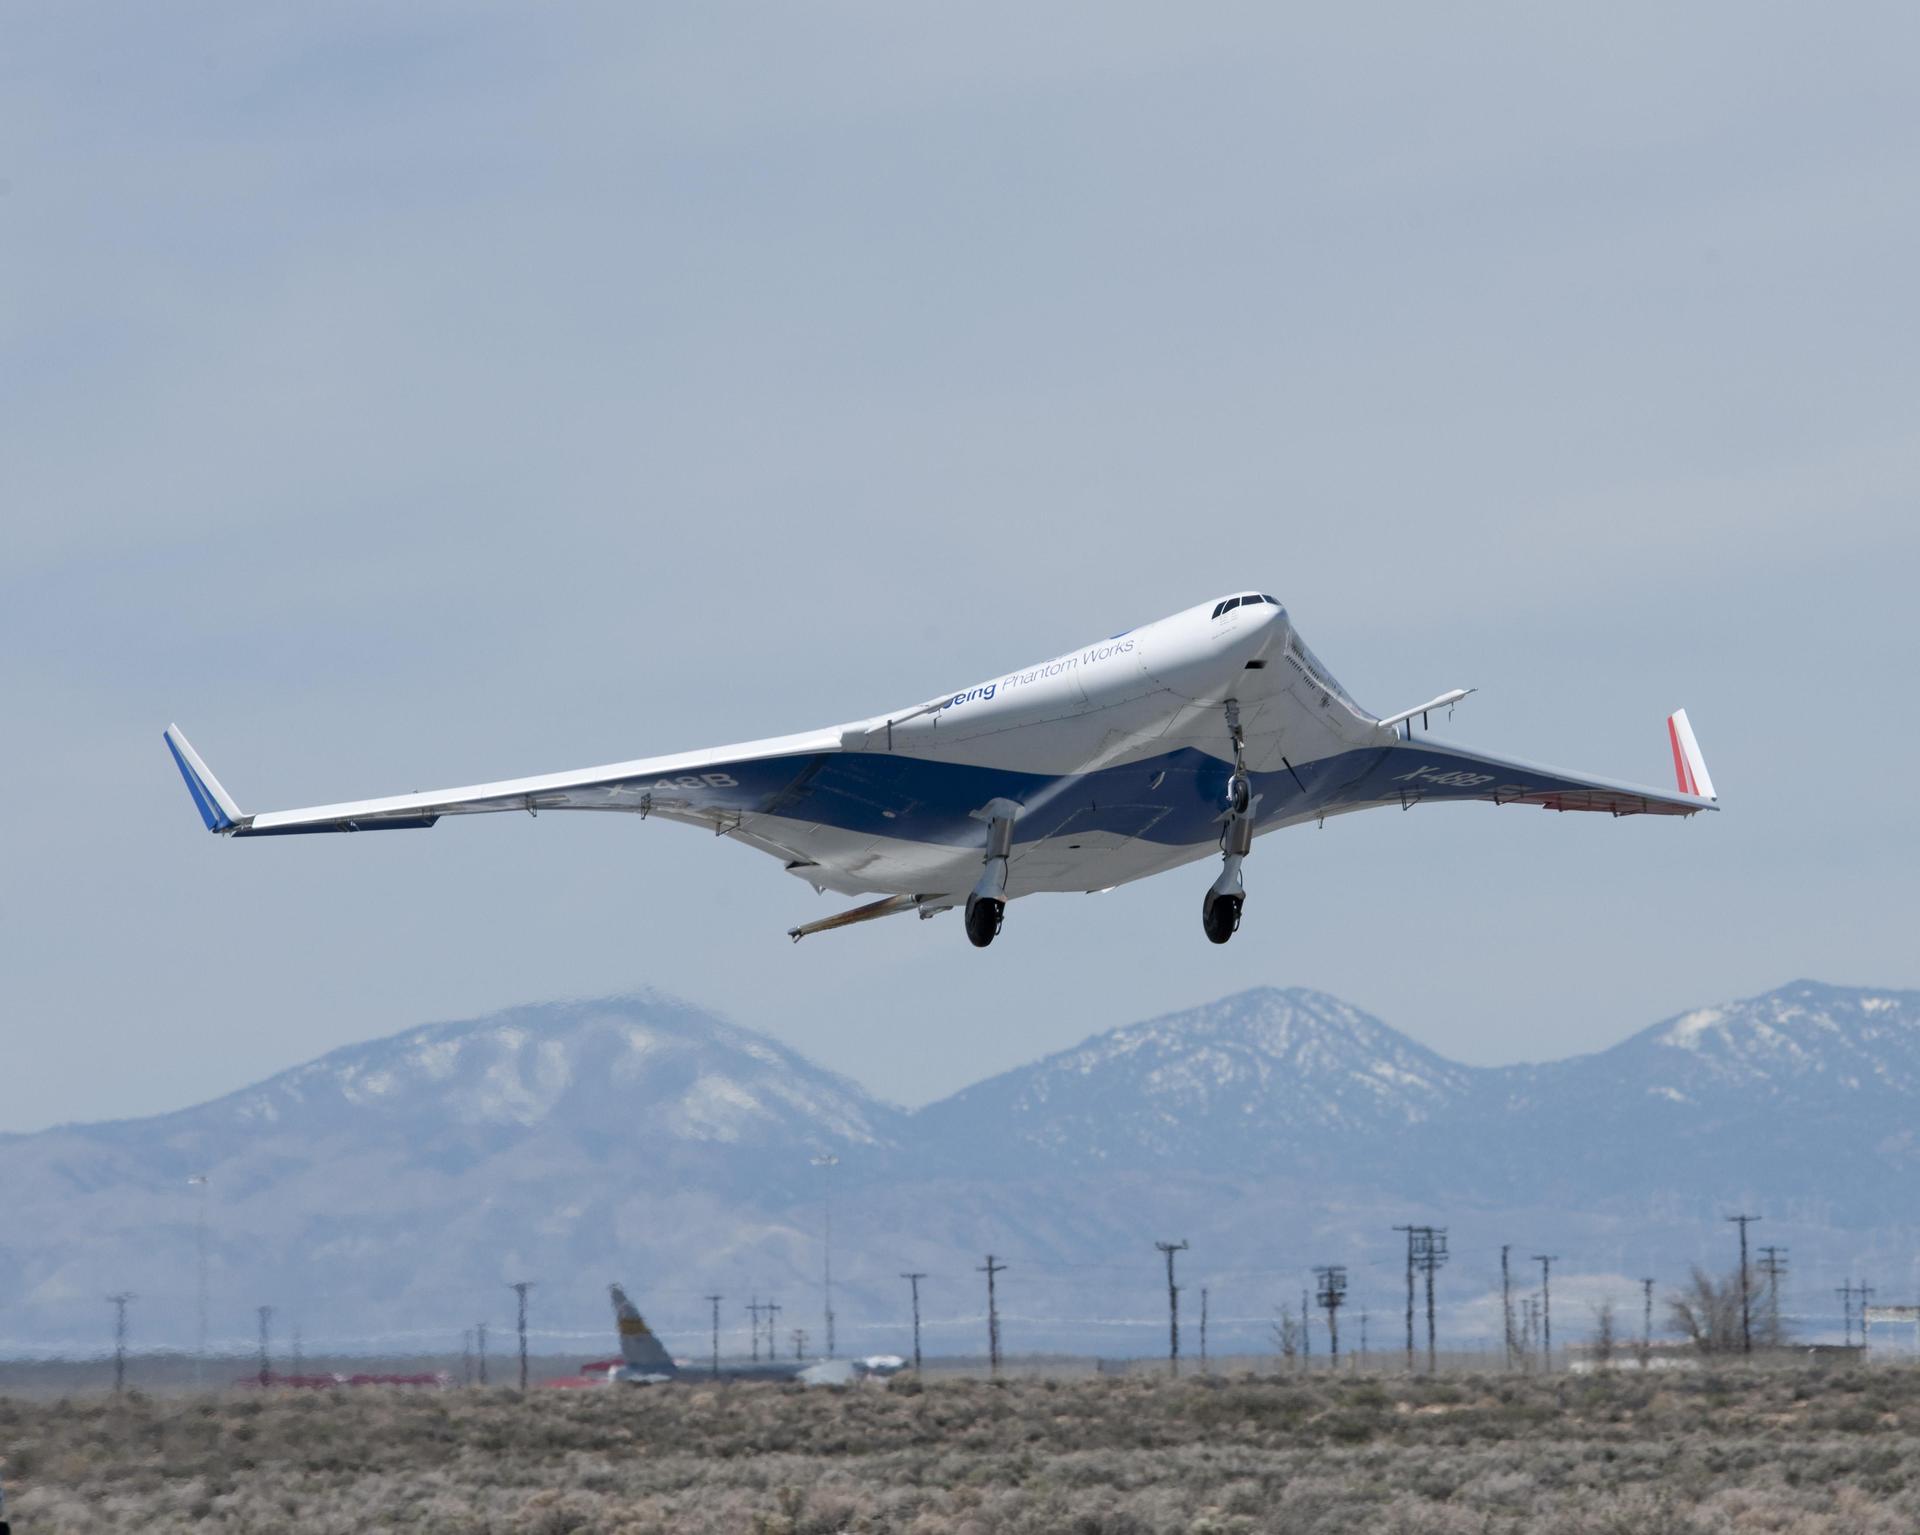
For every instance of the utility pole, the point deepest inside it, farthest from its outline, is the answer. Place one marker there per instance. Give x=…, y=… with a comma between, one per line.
x=1173, y=1306
x=714, y=1301
x=266, y=1364
x=914, y=1280
x=1333, y=1295
x=1433, y=1257
x=1646, y=1322
x=1306, y=1332
x=1546, y=1262
x=1363, y=1336
x=1506, y=1299
x=754, y=1308
x=1773, y=1264
x=520, y=1288
x=1410, y=1244
x=119, y=1303
x=991, y=1268
x=480, y=1331
x=773, y=1310
x=466, y=1356
x=1746, y=1286
x=828, y=1161
x=799, y=1343
x=1203, y=1329
x=198, y=1183
x=1861, y=1291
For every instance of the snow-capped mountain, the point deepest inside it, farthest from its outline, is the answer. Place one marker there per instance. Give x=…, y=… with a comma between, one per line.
x=1809, y=1092
x=1263, y=1079
x=393, y=1187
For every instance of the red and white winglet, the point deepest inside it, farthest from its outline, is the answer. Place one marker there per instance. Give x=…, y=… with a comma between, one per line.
x=1689, y=767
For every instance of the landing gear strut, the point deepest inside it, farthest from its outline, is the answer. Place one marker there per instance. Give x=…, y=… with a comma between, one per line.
x=1220, y=910
x=987, y=905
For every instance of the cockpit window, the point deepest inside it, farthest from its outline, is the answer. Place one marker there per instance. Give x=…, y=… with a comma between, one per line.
x=1250, y=600
x=1274, y=600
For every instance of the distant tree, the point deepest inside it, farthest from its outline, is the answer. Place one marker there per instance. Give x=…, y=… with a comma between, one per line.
x=1706, y=1312
x=1287, y=1334
x=1604, y=1330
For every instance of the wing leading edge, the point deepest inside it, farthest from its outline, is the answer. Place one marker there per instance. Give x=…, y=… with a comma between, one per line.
x=705, y=787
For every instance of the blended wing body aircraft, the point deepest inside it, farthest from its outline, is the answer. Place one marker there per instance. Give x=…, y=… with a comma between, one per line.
x=1163, y=745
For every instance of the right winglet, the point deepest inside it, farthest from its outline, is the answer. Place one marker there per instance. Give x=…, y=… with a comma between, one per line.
x=1689, y=767
x=215, y=805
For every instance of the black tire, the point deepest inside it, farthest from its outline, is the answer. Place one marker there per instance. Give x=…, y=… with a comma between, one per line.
x=983, y=921
x=1221, y=917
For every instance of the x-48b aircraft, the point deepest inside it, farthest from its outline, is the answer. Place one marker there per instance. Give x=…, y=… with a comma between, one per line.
x=1163, y=745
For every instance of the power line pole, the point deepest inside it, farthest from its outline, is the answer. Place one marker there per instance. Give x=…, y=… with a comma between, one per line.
x=773, y=1310
x=799, y=1343
x=714, y=1301
x=1333, y=1295
x=1506, y=1299
x=1646, y=1322
x=914, y=1280
x=828, y=1161
x=1773, y=1264
x=1546, y=1262
x=991, y=1268
x=466, y=1356
x=1306, y=1332
x=1864, y=1291
x=1433, y=1256
x=198, y=1182
x=1746, y=1286
x=1363, y=1337
x=1173, y=1306
x=1410, y=1230
x=754, y=1309
x=520, y=1288
x=266, y=1364
x=1203, y=1329
x=119, y=1303
x=480, y=1331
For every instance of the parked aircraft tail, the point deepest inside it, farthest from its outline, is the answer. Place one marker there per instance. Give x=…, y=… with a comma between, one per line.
x=640, y=1348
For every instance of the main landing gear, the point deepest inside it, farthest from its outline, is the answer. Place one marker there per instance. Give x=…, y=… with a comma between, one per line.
x=1220, y=909
x=987, y=905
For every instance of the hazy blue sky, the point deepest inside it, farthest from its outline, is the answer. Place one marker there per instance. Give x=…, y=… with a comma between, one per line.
x=399, y=396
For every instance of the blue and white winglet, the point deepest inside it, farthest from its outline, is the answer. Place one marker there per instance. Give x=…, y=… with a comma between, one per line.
x=215, y=805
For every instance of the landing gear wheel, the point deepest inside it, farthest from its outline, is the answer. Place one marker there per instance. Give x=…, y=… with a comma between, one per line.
x=1221, y=917
x=984, y=917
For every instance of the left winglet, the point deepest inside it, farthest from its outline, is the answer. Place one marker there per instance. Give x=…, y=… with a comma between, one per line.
x=1689, y=767
x=215, y=805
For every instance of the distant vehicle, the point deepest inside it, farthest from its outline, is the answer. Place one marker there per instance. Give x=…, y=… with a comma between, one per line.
x=645, y=1361
x=1134, y=755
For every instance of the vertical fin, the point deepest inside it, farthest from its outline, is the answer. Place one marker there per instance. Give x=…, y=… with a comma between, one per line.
x=1689, y=767
x=638, y=1346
